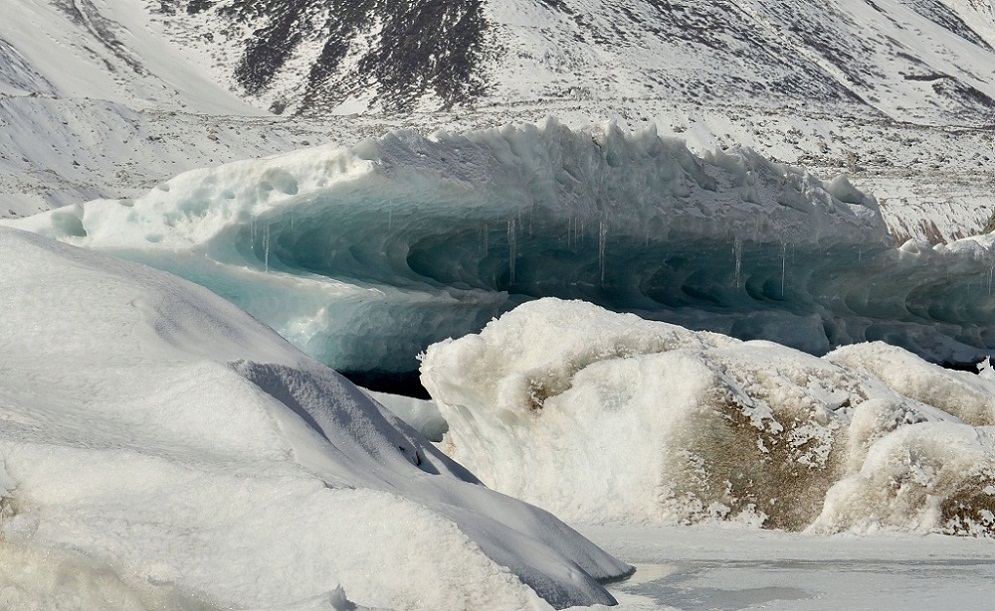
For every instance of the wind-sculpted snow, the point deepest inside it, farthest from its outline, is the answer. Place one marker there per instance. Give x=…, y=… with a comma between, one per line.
x=165, y=450
x=364, y=256
x=604, y=417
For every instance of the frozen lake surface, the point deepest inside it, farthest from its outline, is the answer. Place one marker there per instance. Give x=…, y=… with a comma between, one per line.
x=709, y=568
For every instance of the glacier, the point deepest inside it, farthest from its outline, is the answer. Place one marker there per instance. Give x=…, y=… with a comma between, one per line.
x=163, y=449
x=606, y=418
x=364, y=256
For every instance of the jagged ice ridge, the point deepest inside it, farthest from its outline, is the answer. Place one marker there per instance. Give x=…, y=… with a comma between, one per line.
x=364, y=256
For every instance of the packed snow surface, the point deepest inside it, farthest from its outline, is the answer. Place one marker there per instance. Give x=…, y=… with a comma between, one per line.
x=162, y=449
x=607, y=418
x=364, y=256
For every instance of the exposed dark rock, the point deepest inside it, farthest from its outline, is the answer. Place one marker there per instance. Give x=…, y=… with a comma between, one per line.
x=939, y=13
x=401, y=50
x=396, y=56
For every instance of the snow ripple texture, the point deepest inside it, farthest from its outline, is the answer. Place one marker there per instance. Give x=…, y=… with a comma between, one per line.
x=364, y=256
x=607, y=418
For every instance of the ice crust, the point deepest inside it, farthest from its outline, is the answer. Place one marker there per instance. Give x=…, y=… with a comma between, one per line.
x=607, y=418
x=364, y=256
x=161, y=445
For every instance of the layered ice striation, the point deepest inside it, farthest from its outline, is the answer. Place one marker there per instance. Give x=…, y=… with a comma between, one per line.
x=364, y=256
x=603, y=417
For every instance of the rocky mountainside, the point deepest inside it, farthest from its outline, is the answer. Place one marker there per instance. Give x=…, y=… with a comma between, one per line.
x=314, y=55
x=919, y=60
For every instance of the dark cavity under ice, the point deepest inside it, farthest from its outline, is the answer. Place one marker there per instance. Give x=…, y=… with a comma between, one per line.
x=365, y=256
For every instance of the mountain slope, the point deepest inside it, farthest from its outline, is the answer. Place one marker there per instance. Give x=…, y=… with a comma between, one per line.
x=106, y=98
x=308, y=54
x=96, y=101
x=915, y=60
x=897, y=94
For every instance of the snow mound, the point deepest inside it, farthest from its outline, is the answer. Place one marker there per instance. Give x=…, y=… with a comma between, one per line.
x=178, y=450
x=422, y=415
x=364, y=256
x=604, y=417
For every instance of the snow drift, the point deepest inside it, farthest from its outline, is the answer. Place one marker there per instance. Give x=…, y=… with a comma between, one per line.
x=605, y=417
x=161, y=445
x=362, y=257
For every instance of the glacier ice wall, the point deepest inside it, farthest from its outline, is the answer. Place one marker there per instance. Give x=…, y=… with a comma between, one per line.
x=364, y=256
x=605, y=417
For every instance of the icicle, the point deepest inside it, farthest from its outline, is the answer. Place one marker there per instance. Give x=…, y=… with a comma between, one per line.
x=532, y=205
x=991, y=272
x=512, y=247
x=602, y=238
x=390, y=219
x=784, y=256
x=266, y=248
x=737, y=251
x=484, y=231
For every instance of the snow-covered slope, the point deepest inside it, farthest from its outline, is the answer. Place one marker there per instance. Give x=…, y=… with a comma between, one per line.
x=603, y=417
x=160, y=444
x=104, y=49
x=363, y=256
x=95, y=102
x=105, y=98
x=915, y=60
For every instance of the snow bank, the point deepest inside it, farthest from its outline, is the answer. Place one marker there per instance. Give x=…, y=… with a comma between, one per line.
x=161, y=445
x=604, y=417
x=420, y=414
x=364, y=256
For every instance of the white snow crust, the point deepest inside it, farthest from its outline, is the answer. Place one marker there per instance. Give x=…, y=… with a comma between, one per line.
x=162, y=449
x=607, y=418
x=364, y=256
